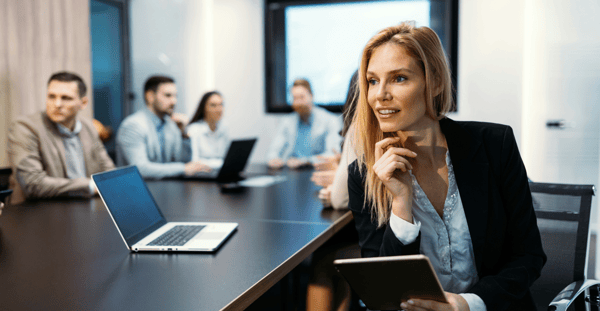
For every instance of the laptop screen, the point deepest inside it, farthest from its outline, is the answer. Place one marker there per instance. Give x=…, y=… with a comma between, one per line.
x=130, y=203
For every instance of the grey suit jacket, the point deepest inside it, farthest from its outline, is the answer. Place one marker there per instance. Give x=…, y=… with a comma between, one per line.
x=36, y=153
x=137, y=144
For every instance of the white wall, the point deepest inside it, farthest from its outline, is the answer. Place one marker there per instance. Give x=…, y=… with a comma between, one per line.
x=163, y=34
x=490, y=63
x=239, y=71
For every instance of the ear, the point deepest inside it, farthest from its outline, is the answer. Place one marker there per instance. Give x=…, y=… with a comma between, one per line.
x=149, y=96
x=84, y=102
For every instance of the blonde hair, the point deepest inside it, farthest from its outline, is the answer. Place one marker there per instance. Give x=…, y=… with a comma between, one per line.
x=425, y=47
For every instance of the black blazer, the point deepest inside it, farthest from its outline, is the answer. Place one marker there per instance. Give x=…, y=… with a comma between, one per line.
x=494, y=189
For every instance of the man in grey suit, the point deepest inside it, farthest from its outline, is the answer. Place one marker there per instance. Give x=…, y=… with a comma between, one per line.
x=54, y=152
x=152, y=140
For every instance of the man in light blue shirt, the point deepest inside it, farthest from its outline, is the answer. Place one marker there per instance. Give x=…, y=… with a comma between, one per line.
x=152, y=140
x=303, y=136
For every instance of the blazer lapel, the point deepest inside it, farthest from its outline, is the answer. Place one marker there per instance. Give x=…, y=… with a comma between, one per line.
x=58, y=143
x=471, y=170
x=87, y=146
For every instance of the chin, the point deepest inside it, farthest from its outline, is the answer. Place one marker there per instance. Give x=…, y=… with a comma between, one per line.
x=56, y=119
x=388, y=127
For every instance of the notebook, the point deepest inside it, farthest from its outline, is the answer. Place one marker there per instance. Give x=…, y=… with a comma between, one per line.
x=143, y=226
x=234, y=163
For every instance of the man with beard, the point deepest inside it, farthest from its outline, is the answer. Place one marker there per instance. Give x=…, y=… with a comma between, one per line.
x=151, y=138
x=306, y=136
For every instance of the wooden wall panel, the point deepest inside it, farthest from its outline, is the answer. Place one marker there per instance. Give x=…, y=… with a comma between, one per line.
x=38, y=38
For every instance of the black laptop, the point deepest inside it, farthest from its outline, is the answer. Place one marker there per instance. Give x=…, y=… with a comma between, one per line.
x=233, y=165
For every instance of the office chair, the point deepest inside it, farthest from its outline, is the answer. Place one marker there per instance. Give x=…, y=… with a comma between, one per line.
x=5, y=173
x=563, y=215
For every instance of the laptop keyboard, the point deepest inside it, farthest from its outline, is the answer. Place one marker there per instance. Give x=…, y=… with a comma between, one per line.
x=177, y=236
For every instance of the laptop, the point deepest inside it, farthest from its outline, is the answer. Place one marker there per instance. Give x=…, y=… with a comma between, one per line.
x=234, y=163
x=143, y=226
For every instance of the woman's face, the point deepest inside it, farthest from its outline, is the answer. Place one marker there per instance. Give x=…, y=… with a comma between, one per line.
x=213, y=111
x=396, y=89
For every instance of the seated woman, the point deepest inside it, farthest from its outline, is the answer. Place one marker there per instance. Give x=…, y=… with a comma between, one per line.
x=454, y=191
x=208, y=135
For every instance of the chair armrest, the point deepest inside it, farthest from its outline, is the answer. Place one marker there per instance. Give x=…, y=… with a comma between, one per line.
x=564, y=299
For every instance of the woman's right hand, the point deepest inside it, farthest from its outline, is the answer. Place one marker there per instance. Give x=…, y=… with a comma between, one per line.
x=392, y=166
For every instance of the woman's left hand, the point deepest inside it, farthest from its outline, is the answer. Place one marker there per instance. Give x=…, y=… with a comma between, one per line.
x=455, y=303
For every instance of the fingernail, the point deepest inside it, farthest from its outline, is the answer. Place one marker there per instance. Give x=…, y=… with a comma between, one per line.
x=403, y=305
x=411, y=302
x=414, y=153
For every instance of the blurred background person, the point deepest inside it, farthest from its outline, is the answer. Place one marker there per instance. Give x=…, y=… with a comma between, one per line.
x=326, y=289
x=303, y=135
x=152, y=138
x=208, y=135
x=54, y=152
x=332, y=172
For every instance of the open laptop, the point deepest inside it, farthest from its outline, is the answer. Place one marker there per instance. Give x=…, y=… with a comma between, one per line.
x=141, y=223
x=234, y=163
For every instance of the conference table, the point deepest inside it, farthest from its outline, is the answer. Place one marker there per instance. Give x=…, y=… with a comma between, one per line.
x=67, y=253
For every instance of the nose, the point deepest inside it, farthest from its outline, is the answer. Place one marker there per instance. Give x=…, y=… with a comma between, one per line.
x=382, y=93
x=58, y=103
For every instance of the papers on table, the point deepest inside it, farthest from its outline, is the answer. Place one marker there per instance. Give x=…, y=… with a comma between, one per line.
x=262, y=181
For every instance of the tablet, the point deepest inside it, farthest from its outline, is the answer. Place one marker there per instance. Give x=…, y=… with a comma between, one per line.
x=382, y=283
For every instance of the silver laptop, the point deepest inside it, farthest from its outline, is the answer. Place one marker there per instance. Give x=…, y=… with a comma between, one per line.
x=141, y=223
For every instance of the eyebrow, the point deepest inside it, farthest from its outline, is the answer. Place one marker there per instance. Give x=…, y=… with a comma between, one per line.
x=399, y=70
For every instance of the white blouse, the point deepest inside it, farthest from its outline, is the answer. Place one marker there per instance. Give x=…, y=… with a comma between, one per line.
x=207, y=144
x=447, y=241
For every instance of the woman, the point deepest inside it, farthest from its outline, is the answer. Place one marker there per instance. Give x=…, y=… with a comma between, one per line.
x=208, y=136
x=456, y=192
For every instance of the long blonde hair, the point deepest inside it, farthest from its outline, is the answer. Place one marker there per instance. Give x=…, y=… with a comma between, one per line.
x=425, y=47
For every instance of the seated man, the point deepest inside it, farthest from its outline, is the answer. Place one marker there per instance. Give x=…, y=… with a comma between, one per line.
x=54, y=152
x=306, y=134
x=152, y=140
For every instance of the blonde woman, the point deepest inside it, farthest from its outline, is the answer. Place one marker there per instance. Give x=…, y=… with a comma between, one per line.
x=456, y=192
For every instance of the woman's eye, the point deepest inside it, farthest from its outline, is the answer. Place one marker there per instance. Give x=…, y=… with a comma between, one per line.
x=400, y=79
x=372, y=81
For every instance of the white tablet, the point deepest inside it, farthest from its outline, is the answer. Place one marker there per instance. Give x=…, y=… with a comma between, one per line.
x=382, y=283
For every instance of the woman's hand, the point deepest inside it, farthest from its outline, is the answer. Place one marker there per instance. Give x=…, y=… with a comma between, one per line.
x=455, y=303
x=392, y=166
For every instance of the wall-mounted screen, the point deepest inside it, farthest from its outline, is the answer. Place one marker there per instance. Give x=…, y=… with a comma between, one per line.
x=322, y=42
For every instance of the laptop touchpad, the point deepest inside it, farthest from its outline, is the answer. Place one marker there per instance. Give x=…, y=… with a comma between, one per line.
x=210, y=235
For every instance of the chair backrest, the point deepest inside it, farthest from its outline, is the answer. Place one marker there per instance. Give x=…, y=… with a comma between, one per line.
x=5, y=173
x=563, y=215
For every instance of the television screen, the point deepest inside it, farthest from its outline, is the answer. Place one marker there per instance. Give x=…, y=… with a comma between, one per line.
x=322, y=41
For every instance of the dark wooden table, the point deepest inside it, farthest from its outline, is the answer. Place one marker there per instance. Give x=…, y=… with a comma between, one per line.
x=67, y=254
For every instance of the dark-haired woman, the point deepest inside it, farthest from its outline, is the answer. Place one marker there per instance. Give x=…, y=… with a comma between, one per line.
x=208, y=135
